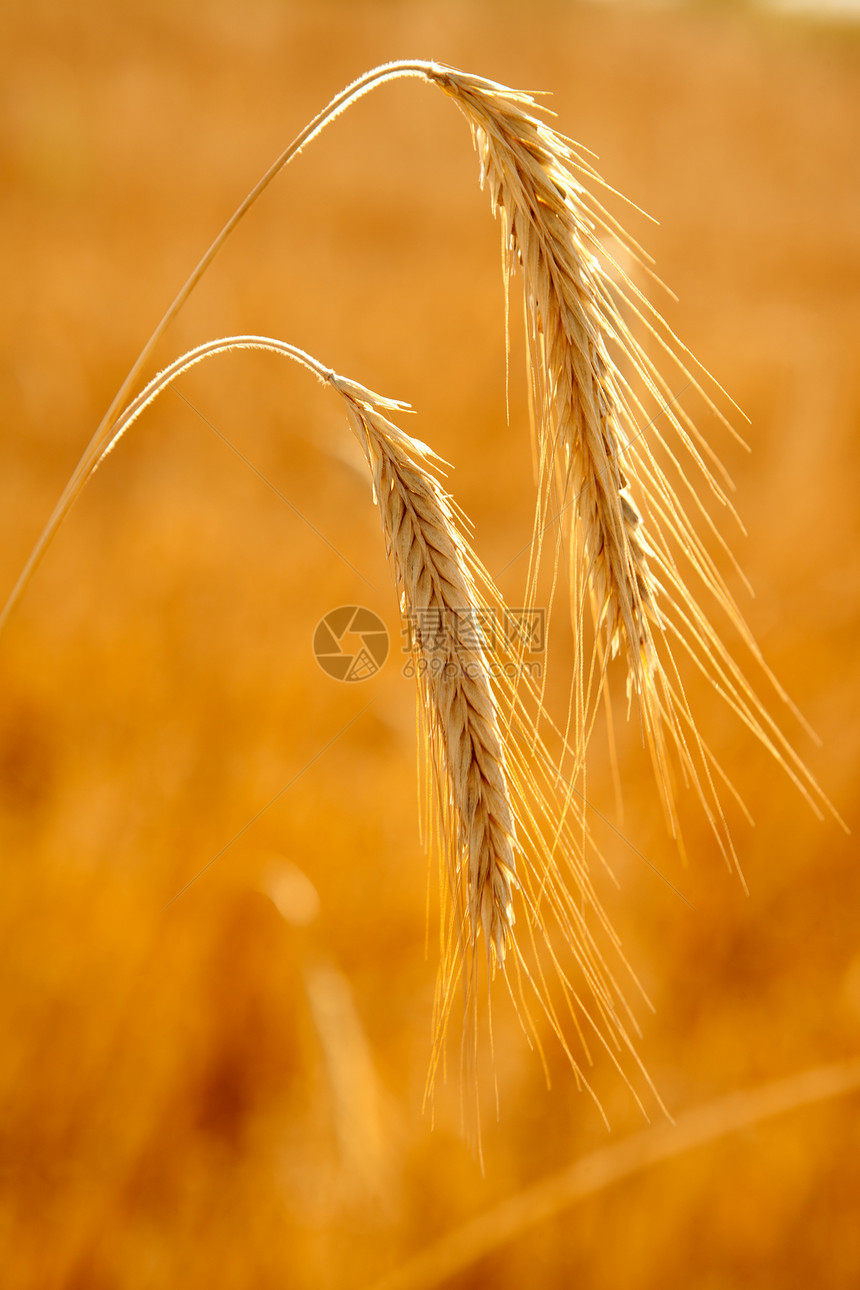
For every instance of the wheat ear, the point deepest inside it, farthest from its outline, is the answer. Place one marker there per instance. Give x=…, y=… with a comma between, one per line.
x=524, y=166
x=506, y=821
x=599, y=450
x=440, y=602
x=502, y=819
x=431, y=568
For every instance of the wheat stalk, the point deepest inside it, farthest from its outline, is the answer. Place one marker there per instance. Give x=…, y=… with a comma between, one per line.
x=430, y=559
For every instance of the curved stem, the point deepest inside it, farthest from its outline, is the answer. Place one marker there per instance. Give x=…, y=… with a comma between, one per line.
x=104, y=438
x=179, y=366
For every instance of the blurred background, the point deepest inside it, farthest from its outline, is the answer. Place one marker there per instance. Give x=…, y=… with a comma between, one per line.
x=227, y=1089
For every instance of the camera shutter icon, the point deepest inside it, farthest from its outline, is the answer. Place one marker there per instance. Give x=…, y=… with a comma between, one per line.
x=351, y=643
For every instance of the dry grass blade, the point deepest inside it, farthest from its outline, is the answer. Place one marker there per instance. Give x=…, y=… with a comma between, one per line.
x=699, y=1127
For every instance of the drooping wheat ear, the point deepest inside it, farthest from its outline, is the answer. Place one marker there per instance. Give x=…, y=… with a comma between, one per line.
x=505, y=820
x=547, y=229
x=506, y=826
x=439, y=601
x=438, y=592
x=603, y=456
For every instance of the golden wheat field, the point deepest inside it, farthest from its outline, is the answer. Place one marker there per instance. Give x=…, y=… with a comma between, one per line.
x=219, y=932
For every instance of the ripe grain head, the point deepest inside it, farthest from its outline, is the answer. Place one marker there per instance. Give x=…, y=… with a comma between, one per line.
x=608, y=425
x=460, y=713
x=509, y=830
